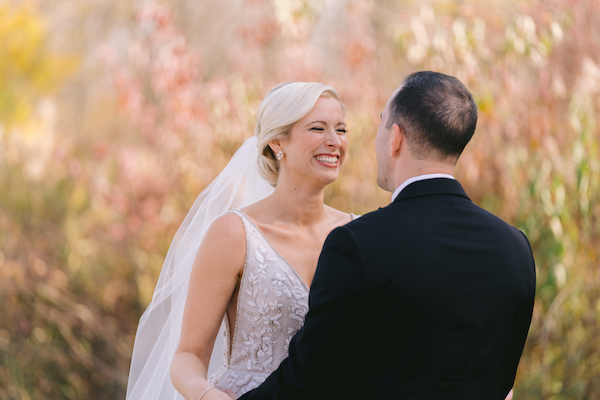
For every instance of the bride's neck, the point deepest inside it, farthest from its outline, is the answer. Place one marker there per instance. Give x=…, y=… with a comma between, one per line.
x=299, y=205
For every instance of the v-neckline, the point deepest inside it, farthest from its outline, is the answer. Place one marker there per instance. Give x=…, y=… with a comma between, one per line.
x=275, y=250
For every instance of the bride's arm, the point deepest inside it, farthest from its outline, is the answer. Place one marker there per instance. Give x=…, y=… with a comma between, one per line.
x=218, y=264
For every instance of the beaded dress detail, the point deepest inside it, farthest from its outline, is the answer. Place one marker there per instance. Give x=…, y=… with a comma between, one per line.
x=271, y=306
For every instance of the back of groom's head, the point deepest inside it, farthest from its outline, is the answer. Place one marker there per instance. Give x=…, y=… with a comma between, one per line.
x=437, y=114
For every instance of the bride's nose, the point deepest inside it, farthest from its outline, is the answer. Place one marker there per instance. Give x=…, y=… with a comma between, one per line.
x=333, y=139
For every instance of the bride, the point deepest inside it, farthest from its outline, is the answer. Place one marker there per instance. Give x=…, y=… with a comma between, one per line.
x=249, y=269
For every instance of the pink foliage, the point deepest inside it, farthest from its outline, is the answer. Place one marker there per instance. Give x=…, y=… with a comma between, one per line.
x=160, y=86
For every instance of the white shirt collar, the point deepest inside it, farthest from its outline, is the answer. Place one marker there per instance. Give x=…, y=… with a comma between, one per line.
x=416, y=179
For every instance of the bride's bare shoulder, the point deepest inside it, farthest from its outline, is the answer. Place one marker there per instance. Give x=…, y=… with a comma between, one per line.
x=227, y=230
x=339, y=217
x=223, y=248
x=260, y=212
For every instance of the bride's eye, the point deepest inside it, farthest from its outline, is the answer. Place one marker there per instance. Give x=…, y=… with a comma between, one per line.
x=342, y=131
x=317, y=128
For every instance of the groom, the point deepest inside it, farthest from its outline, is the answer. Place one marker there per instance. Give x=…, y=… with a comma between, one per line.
x=430, y=297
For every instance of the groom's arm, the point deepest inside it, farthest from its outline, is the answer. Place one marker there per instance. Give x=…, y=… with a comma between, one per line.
x=323, y=359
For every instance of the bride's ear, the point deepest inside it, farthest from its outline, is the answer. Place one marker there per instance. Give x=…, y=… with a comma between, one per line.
x=275, y=145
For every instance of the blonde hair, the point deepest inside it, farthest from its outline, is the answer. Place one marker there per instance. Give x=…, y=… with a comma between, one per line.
x=281, y=108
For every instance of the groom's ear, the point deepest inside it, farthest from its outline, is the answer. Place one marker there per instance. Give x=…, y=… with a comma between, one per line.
x=398, y=140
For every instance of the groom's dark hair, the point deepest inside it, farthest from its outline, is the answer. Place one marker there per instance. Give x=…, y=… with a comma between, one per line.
x=437, y=114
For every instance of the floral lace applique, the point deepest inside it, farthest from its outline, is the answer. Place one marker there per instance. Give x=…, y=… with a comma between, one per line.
x=272, y=304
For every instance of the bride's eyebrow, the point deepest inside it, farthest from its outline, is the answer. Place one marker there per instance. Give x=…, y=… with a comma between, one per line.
x=325, y=123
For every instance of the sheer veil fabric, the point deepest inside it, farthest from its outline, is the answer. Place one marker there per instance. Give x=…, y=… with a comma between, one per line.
x=237, y=186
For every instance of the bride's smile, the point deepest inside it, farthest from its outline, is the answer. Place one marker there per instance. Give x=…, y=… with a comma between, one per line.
x=327, y=160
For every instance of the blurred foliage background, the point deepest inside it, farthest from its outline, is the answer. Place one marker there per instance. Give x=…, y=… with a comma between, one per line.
x=115, y=115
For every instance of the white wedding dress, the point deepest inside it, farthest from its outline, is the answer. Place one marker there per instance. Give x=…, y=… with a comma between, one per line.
x=271, y=307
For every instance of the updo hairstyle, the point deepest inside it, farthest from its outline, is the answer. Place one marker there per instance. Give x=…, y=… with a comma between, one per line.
x=281, y=108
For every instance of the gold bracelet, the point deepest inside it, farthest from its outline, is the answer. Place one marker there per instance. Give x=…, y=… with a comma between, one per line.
x=203, y=393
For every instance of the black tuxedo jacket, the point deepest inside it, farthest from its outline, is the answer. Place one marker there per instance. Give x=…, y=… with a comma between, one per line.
x=430, y=297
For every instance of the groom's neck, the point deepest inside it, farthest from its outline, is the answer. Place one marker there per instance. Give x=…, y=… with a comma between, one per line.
x=412, y=168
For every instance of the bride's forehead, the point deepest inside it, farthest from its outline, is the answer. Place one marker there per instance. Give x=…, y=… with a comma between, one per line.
x=325, y=106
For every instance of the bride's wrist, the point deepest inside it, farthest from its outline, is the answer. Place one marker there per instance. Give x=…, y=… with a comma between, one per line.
x=206, y=390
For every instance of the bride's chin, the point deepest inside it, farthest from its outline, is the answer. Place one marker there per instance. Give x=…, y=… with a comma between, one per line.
x=329, y=179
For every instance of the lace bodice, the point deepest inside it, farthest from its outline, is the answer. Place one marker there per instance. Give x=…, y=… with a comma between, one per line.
x=271, y=307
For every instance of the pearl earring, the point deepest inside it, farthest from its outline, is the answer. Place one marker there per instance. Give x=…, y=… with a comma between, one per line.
x=280, y=155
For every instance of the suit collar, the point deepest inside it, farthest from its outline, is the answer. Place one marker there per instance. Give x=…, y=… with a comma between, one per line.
x=431, y=187
x=418, y=178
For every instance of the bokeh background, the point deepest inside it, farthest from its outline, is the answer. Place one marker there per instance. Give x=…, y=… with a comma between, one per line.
x=114, y=115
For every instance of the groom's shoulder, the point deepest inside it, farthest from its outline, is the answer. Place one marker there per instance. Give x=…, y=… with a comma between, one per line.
x=495, y=218
x=501, y=226
x=370, y=220
x=409, y=216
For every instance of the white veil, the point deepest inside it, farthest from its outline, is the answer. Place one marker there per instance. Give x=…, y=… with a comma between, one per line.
x=238, y=185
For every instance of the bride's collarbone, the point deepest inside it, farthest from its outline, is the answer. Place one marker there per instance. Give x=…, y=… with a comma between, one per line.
x=299, y=248
x=293, y=236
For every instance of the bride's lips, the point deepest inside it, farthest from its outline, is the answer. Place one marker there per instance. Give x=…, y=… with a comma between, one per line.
x=328, y=160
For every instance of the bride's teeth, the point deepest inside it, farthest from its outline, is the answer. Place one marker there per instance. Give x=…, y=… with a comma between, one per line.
x=327, y=160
